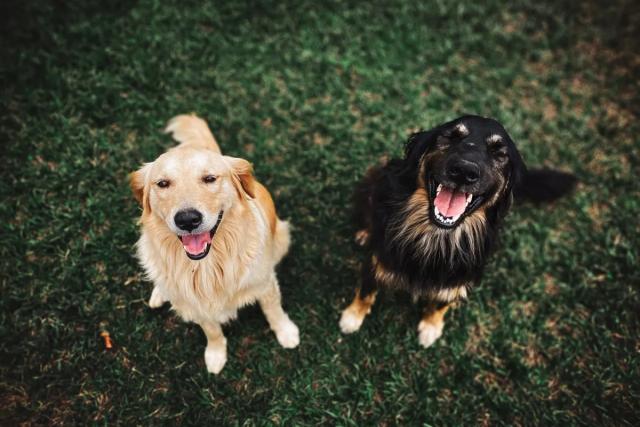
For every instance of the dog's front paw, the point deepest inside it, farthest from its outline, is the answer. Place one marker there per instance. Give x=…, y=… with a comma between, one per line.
x=350, y=321
x=157, y=299
x=429, y=332
x=288, y=334
x=215, y=358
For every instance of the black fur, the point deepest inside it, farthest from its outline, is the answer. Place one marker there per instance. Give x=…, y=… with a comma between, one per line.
x=382, y=198
x=544, y=185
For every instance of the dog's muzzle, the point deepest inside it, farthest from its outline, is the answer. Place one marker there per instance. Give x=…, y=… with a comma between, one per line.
x=197, y=246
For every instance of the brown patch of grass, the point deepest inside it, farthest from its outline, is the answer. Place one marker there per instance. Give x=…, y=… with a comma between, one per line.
x=616, y=389
x=596, y=51
x=524, y=309
x=513, y=22
x=372, y=96
x=40, y=162
x=557, y=388
x=103, y=402
x=598, y=164
x=445, y=396
x=324, y=100
x=579, y=86
x=550, y=286
x=249, y=148
x=320, y=140
x=479, y=339
x=617, y=115
x=12, y=399
x=598, y=213
x=494, y=382
x=549, y=112
x=532, y=355
x=484, y=418
x=541, y=68
x=552, y=326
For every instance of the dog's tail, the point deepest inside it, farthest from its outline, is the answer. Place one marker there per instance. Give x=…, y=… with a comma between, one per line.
x=192, y=130
x=544, y=185
x=281, y=240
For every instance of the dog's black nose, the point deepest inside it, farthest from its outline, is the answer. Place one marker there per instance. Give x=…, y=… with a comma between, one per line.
x=463, y=172
x=188, y=219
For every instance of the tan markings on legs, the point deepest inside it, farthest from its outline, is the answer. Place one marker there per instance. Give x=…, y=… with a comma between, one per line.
x=286, y=331
x=450, y=295
x=215, y=355
x=431, y=325
x=353, y=316
x=362, y=237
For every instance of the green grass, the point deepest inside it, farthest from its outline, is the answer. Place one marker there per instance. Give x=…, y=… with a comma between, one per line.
x=312, y=93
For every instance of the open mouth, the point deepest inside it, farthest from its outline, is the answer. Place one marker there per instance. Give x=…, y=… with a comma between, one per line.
x=197, y=246
x=450, y=205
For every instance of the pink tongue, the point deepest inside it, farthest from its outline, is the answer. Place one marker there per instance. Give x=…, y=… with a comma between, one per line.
x=450, y=202
x=196, y=243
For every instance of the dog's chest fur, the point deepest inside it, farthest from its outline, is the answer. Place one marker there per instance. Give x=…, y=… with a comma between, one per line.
x=231, y=276
x=411, y=253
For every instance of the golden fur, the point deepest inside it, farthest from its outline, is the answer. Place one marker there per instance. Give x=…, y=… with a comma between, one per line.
x=250, y=239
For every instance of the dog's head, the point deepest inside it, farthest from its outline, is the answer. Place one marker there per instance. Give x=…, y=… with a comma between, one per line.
x=188, y=190
x=466, y=165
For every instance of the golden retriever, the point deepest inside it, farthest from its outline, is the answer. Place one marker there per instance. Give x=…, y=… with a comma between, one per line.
x=210, y=237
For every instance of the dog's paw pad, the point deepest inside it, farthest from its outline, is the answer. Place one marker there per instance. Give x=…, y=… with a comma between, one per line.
x=428, y=333
x=350, y=321
x=156, y=300
x=215, y=359
x=288, y=335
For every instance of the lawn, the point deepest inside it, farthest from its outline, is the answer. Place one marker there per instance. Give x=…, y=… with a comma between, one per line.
x=312, y=93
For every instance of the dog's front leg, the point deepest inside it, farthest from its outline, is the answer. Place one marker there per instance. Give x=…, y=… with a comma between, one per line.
x=286, y=331
x=353, y=316
x=432, y=323
x=157, y=298
x=215, y=355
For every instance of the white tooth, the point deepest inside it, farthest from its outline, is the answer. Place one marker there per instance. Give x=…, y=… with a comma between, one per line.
x=439, y=189
x=469, y=197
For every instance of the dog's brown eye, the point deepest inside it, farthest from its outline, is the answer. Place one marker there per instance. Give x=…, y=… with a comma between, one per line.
x=208, y=179
x=500, y=152
x=163, y=183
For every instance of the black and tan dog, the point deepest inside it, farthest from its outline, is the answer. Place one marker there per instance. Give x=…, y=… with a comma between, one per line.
x=430, y=220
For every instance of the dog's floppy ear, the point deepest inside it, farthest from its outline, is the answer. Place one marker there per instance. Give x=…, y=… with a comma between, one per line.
x=518, y=168
x=242, y=176
x=418, y=144
x=139, y=187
